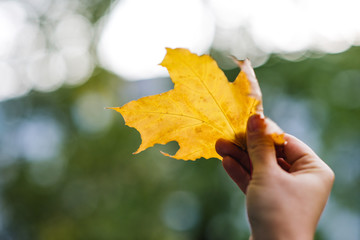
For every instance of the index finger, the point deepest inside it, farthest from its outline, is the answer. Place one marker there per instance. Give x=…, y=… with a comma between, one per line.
x=227, y=148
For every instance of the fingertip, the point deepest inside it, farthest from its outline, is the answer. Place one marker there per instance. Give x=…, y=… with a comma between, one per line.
x=225, y=147
x=255, y=123
x=220, y=146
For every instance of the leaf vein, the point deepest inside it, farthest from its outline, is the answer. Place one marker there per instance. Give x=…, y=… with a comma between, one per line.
x=211, y=94
x=182, y=115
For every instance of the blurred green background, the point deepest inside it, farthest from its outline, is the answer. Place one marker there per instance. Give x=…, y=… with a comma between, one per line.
x=66, y=164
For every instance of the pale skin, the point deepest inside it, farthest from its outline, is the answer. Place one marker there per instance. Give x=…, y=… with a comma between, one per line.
x=284, y=196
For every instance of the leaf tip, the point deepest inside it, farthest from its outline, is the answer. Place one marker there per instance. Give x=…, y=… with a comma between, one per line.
x=175, y=157
x=114, y=108
x=236, y=60
x=162, y=63
x=140, y=149
x=165, y=154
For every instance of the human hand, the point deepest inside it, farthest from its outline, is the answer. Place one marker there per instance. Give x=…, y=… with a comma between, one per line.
x=285, y=197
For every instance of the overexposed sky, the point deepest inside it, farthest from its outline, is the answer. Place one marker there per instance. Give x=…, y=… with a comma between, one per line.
x=137, y=31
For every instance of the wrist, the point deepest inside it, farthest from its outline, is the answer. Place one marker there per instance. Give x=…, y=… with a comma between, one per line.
x=281, y=235
x=282, y=232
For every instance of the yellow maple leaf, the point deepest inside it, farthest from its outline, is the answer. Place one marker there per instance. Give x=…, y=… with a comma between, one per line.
x=203, y=107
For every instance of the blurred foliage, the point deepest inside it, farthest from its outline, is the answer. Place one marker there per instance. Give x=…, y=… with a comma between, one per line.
x=105, y=192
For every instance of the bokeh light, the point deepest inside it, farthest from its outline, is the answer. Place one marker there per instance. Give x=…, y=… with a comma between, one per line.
x=181, y=211
x=86, y=112
x=137, y=32
x=43, y=45
x=39, y=139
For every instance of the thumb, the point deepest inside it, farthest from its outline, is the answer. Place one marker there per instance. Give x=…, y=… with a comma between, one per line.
x=260, y=145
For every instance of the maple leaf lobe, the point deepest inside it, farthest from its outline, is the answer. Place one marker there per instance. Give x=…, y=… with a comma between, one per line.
x=203, y=107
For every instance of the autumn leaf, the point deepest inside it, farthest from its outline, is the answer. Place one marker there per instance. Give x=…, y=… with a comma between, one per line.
x=203, y=107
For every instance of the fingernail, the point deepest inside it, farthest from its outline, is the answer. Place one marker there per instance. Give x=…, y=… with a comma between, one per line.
x=255, y=123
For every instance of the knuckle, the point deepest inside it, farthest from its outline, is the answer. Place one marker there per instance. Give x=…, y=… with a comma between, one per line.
x=328, y=175
x=331, y=174
x=260, y=144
